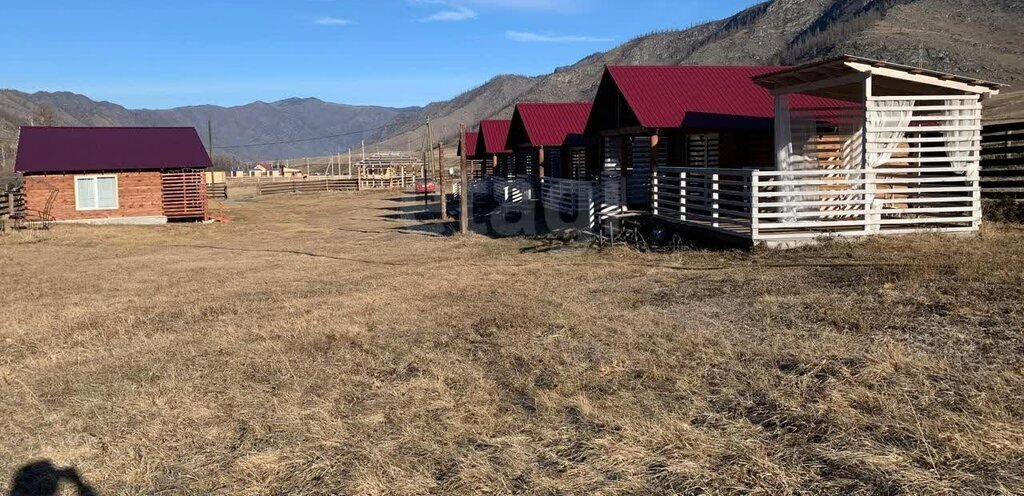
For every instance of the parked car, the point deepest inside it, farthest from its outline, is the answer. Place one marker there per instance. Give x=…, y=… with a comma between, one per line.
x=425, y=186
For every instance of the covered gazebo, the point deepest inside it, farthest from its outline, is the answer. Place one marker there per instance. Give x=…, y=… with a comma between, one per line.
x=861, y=147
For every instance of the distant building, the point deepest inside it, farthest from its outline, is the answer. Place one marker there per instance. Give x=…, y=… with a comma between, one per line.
x=491, y=150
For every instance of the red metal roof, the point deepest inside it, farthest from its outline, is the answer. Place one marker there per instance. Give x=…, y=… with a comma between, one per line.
x=549, y=124
x=470, y=145
x=661, y=96
x=90, y=149
x=492, y=137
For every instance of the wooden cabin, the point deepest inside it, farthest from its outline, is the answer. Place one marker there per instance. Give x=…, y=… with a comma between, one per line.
x=491, y=149
x=113, y=174
x=547, y=139
x=551, y=156
x=477, y=168
x=648, y=118
x=861, y=147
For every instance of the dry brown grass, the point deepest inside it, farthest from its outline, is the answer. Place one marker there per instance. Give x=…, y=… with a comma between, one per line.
x=312, y=347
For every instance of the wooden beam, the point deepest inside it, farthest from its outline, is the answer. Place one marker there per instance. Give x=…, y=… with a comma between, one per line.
x=540, y=162
x=944, y=81
x=821, y=84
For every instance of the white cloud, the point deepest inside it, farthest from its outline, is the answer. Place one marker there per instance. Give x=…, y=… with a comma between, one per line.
x=454, y=15
x=529, y=4
x=332, y=21
x=526, y=37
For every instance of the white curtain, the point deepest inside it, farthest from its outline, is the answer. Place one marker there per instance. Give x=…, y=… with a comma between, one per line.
x=852, y=151
x=961, y=160
x=785, y=159
x=888, y=114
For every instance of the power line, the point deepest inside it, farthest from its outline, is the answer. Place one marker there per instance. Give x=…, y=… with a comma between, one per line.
x=303, y=140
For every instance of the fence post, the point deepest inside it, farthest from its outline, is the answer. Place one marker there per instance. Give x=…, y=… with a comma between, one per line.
x=714, y=200
x=754, y=207
x=10, y=201
x=683, y=191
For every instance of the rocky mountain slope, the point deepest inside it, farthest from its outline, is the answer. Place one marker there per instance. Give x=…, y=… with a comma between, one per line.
x=980, y=38
x=975, y=37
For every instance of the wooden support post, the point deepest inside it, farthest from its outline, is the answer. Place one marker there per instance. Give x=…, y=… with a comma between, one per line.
x=714, y=200
x=682, y=196
x=440, y=181
x=624, y=155
x=654, y=172
x=464, y=176
x=870, y=187
x=540, y=162
x=755, y=186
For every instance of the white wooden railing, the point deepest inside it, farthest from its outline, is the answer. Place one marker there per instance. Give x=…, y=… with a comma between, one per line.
x=719, y=199
x=508, y=190
x=611, y=195
x=570, y=196
x=780, y=206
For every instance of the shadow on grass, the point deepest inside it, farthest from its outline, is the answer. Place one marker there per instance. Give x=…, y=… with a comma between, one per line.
x=413, y=198
x=290, y=252
x=43, y=478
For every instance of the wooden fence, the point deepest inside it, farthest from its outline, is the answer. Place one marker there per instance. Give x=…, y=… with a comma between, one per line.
x=217, y=191
x=1002, y=160
x=306, y=186
x=12, y=199
x=309, y=185
x=781, y=206
x=254, y=180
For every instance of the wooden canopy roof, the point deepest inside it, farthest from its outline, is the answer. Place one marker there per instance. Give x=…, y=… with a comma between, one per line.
x=849, y=71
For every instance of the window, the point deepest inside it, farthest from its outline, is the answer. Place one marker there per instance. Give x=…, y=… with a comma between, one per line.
x=702, y=150
x=96, y=192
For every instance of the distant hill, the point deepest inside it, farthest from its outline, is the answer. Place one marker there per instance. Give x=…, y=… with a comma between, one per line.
x=259, y=122
x=980, y=38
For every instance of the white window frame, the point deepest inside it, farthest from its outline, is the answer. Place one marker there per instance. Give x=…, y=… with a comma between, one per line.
x=96, y=195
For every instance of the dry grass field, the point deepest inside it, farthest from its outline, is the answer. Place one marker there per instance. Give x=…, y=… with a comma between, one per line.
x=322, y=344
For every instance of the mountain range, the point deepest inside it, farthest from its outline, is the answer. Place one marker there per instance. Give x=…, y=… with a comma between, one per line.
x=979, y=38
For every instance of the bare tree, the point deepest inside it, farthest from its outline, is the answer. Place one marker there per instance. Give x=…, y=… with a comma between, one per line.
x=44, y=115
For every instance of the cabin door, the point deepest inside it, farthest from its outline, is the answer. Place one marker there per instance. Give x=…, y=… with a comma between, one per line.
x=638, y=170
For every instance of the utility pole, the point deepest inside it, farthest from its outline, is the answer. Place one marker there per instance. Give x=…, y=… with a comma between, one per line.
x=464, y=190
x=363, y=144
x=426, y=160
x=209, y=136
x=350, y=162
x=307, y=166
x=440, y=180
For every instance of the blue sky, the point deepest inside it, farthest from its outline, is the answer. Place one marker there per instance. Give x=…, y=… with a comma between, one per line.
x=159, y=54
